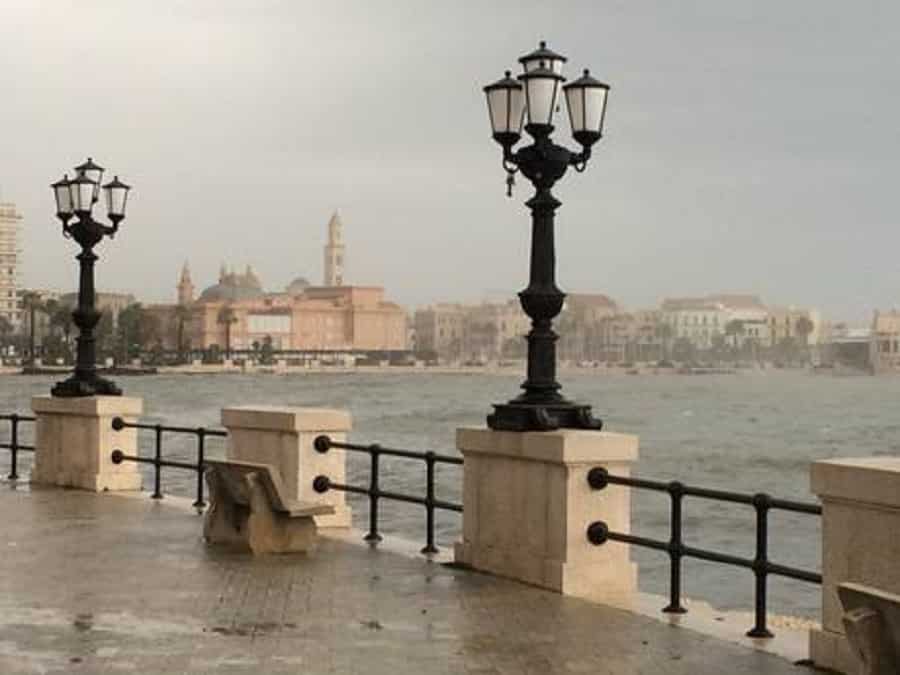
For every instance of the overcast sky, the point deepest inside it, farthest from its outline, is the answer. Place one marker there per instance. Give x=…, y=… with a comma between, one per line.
x=750, y=146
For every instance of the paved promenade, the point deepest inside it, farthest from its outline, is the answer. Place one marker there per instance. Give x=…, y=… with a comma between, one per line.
x=111, y=584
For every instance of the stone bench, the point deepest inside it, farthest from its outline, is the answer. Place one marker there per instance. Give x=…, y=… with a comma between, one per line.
x=249, y=510
x=872, y=624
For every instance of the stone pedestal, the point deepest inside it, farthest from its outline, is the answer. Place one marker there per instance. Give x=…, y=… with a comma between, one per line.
x=860, y=543
x=74, y=440
x=527, y=506
x=283, y=438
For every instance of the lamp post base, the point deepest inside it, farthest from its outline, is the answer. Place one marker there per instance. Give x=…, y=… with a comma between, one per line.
x=521, y=416
x=79, y=385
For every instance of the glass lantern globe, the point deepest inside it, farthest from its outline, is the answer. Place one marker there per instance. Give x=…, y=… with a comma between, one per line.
x=63, y=196
x=586, y=100
x=82, y=190
x=541, y=91
x=92, y=171
x=116, y=197
x=506, y=107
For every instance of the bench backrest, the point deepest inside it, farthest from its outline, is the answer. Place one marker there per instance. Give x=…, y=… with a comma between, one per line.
x=232, y=472
x=859, y=596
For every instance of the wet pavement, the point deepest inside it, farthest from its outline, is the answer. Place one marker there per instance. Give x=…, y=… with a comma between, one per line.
x=108, y=584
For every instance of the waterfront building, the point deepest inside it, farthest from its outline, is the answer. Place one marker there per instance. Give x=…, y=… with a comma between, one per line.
x=885, y=348
x=237, y=313
x=629, y=337
x=852, y=348
x=699, y=321
x=493, y=331
x=787, y=323
x=10, y=228
x=738, y=319
x=439, y=331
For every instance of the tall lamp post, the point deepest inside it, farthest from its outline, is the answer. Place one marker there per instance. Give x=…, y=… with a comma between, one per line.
x=76, y=197
x=541, y=407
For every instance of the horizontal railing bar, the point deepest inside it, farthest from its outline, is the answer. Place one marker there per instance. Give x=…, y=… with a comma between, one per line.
x=396, y=496
x=174, y=429
x=21, y=418
x=716, y=557
x=164, y=462
x=639, y=541
x=409, y=454
x=717, y=495
x=642, y=483
x=9, y=446
x=798, y=507
x=794, y=573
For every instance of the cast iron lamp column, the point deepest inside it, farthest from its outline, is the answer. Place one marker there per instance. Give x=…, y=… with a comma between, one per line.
x=77, y=197
x=541, y=407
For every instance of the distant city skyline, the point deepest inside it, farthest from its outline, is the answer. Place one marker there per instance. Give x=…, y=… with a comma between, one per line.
x=744, y=153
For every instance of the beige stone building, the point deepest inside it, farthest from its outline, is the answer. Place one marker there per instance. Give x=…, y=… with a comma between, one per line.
x=10, y=228
x=885, y=350
x=785, y=321
x=438, y=331
x=491, y=331
x=237, y=313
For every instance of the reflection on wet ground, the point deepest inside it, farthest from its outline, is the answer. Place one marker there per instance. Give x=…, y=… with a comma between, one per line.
x=105, y=584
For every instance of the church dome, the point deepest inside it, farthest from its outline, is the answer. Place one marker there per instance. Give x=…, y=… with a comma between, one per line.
x=298, y=285
x=233, y=287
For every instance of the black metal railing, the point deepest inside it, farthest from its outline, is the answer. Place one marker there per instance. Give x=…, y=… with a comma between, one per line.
x=599, y=533
x=157, y=461
x=15, y=446
x=375, y=493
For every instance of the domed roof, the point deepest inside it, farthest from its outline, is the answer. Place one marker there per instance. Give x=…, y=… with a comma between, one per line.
x=233, y=287
x=298, y=285
x=223, y=292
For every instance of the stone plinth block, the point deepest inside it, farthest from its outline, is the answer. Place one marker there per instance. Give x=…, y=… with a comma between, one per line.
x=75, y=439
x=283, y=438
x=527, y=506
x=860, y=542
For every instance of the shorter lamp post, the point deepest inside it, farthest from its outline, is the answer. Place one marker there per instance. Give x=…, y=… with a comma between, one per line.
x=76, y=197
x=541, y=407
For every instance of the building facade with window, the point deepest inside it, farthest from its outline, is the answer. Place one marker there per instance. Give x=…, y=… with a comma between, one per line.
x=10, y=259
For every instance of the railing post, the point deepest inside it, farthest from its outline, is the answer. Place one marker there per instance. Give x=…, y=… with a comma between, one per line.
x=527, y=502
x=429, y=504
x=74, y=440
x=157, y=466
x=201, y=458
x=375, y=453
x=762, y=504
x=14, y=446
x=860, y=521
x=676, y=548
x=284, y=437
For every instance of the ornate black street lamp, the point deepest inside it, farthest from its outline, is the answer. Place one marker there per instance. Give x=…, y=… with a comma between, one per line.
x=77, y=197
x=534, y=93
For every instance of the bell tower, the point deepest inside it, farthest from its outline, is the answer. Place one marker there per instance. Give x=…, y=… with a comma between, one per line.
x=334, y=252
x=185, y=286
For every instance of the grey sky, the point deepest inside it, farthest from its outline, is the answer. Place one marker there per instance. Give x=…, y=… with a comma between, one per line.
x=751, y=146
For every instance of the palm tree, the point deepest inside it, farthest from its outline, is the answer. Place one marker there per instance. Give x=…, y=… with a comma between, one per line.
x=803, y=327
x=32, y=302
x=226, y=316
x=182, y=314
x=6, y=328
x=734, y=329
x=61, y=320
